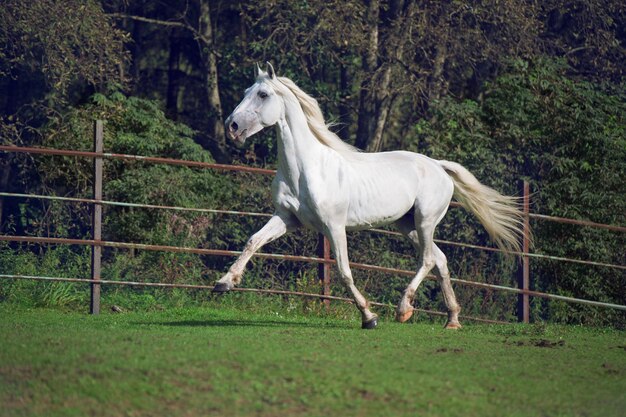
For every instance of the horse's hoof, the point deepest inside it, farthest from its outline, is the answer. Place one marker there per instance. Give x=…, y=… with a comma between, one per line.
x=402, y=317
x=222, y=287
x=453, y=325
x=371, y=324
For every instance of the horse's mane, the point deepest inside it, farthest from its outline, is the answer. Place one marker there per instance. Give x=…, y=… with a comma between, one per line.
x=314, y=117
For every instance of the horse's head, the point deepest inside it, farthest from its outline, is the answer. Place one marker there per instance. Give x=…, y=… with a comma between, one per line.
x=261, y=107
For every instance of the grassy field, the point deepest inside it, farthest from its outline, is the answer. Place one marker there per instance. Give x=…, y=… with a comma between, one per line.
x=228, y=362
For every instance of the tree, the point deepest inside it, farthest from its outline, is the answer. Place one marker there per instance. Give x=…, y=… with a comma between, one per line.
x=589, y=34
x=386, y=43
x=376, y=66
x=52, y=52
x=59, y=45
x=400, y=51
x=196, y=20
x=567, y=137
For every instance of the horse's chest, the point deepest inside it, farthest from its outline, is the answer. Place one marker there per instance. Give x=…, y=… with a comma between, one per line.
x=310, y=203
x=284, y=196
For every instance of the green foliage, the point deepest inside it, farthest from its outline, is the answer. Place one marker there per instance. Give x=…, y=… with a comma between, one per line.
x=133, y=126
x=568, y=138
x=535, y=122
x=64, y=42
x=61, y=261
x=139, y=127
x=361, y=60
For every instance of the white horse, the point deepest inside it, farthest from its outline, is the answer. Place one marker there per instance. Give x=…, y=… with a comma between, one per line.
x=329, y=186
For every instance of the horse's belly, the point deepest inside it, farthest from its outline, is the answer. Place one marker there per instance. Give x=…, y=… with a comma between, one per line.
x=379, y=204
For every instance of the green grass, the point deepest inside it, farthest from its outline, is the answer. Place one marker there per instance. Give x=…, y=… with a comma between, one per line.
x=232, y=362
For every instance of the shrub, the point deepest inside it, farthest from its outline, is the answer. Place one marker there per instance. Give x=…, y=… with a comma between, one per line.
x=567, y=137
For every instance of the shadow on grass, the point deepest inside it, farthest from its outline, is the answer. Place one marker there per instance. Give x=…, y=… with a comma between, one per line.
x=245, y=323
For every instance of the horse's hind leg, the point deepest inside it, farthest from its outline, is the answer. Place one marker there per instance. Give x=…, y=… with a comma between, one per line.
x=405, y=308
x=443, y=275
x=422, y=238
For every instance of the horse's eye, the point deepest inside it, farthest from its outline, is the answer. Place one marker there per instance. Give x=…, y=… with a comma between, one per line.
x=263, y=94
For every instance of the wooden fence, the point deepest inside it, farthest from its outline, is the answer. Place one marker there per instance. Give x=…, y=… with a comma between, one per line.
x=323, y=259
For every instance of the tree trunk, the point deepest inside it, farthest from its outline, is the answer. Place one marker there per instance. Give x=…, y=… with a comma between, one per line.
x=383, y=107
x=437, y=84
x=137, y=31
x=216, y=137
x=345, y=116
x=376, y=96
x=5, y=172
x=174, y=76
x=367, y=106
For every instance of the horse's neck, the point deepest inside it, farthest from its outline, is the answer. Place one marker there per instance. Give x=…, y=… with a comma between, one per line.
x=298, y=149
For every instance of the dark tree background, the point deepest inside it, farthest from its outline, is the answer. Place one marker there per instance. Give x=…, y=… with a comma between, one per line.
x=513, y=89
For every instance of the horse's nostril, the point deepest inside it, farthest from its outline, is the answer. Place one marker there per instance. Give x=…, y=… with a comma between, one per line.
x=234, y=126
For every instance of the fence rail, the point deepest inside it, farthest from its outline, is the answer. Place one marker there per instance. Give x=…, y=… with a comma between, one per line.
x=254, y=170
x=236, y=289
x=324, y=260
x=267, y=215
x=294, y=258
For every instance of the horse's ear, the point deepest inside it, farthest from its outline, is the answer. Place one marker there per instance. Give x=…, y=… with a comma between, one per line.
x=259, y=71
x=270, y=71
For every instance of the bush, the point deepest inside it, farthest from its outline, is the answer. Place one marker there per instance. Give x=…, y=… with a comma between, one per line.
x=535, y=122
x=568, y=139
x=61, y=261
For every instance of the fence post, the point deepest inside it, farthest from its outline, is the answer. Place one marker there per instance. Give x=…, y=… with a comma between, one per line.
x=523, y=274
x=96, y=250
x=323, y=269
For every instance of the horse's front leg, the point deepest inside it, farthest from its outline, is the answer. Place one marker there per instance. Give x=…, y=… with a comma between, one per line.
x=277, y=226
x=338, y=241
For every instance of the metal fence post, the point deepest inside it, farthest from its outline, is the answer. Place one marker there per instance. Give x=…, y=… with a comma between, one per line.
x=96, y=250
x=323, y=271
x=523, y=278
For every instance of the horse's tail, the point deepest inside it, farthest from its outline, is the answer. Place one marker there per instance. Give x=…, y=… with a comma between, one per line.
x=499, y=214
